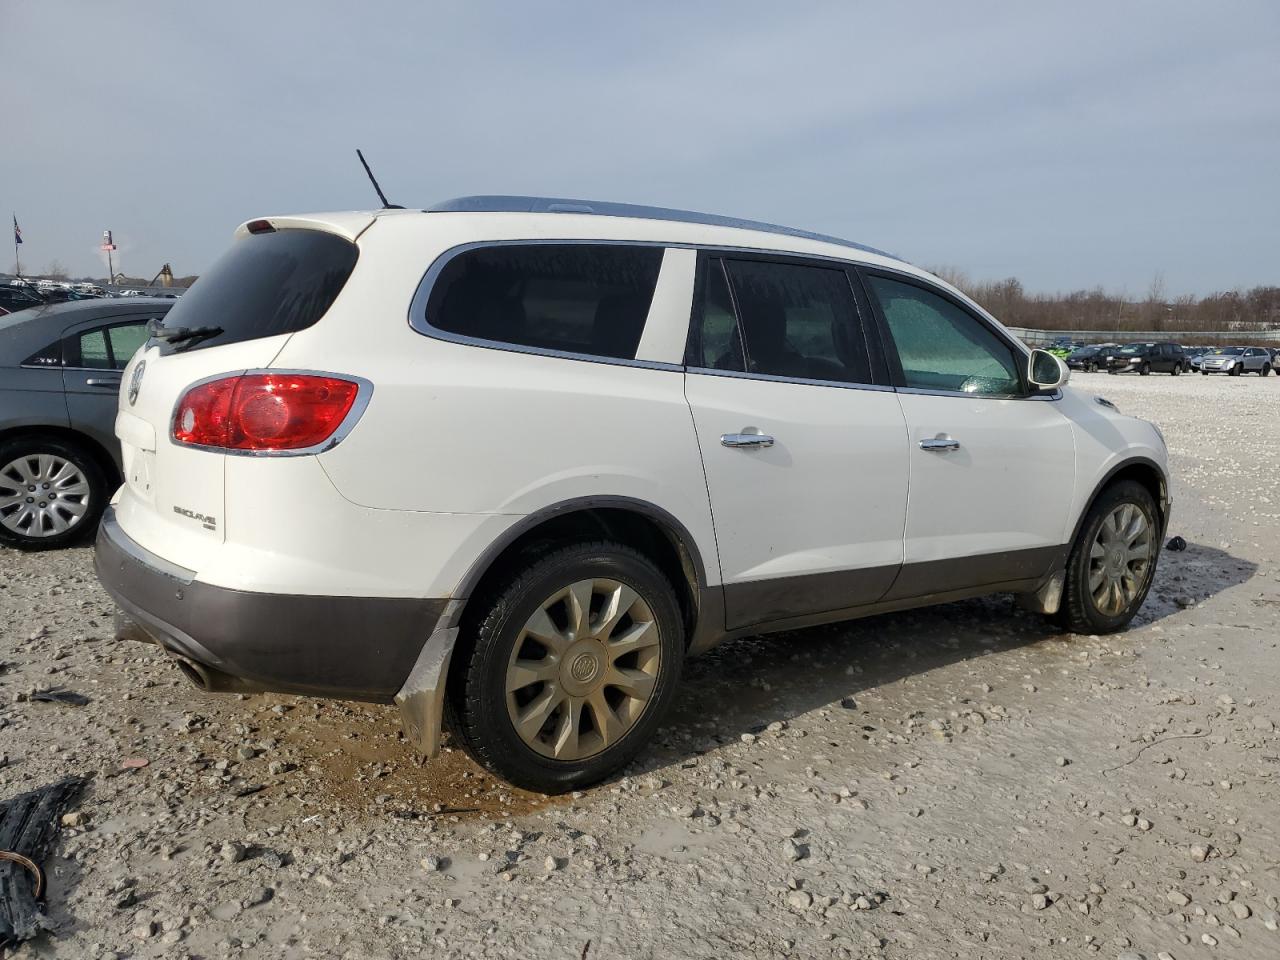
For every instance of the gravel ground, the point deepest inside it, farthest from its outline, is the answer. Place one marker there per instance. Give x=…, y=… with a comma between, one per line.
x=955, y=782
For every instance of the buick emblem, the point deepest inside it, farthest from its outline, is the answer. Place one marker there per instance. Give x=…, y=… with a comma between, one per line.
x=136, y=381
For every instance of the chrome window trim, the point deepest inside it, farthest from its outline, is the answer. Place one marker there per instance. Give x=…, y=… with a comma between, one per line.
x=772, y=378
x=364, y=393
x=418, y=305
x=1056, y=394
x=419, y=324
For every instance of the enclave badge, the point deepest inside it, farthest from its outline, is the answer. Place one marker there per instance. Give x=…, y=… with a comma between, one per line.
x=136, y=381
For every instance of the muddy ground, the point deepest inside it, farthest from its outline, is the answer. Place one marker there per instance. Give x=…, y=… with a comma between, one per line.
x=956, y=782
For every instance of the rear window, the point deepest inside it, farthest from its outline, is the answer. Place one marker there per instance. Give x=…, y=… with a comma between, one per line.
x=267, y=284
x=589, y=299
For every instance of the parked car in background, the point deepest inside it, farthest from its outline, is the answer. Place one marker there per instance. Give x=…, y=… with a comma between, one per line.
x=549, y=447
x=1062, y=346
x=1087, y=358
x=59, y=379
x=1236, y=360
x=14, y=298
x=1195, y=355
x=1146, y=358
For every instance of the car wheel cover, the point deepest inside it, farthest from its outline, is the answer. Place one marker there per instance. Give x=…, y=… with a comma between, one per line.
x=42, y=495
x=1120, y=559
x=583, y=669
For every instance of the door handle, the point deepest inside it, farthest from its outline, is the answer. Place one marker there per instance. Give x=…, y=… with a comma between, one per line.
x=101, y=382
x=939, y=444
x=747, y=440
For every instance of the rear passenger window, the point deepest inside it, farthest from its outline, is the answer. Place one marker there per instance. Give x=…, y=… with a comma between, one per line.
x=798, y=321
x=93, y=351
x=716, y=343
x=589, y=299
x=125, y=341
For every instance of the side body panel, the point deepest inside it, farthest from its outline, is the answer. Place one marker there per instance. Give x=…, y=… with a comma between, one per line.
x=815, y=521
x=1007, y=487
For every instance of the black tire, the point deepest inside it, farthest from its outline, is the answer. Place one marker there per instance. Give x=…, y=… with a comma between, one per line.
x=1204, y=373
x=1235, y=370
x=1079, y=613
x=477, y=688
x=1177, y=369
x=1265, y=371
x=83, y=460
x=1145, y=370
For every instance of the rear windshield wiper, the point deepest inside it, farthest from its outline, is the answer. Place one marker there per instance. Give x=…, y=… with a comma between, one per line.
x=181, y=335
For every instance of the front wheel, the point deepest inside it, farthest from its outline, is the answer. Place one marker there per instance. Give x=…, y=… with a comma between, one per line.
x=1145, y=369
x=1113, y=560
x=1177, y=369
x=1234, y=371
x=1204, y=373
x=1265, y=371
x=52, y=492
x=571, y=669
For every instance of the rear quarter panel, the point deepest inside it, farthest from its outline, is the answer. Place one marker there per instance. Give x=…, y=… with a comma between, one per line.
x=31, y=397
x=459, y=429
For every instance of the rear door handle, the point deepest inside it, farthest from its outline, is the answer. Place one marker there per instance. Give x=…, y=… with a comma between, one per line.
x=101, y=382
x=939, y=444
x=747, y=440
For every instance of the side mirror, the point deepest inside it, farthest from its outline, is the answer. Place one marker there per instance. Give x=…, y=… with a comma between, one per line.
x=1045, y=371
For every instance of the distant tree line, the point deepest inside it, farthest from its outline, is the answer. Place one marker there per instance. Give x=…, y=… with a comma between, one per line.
x=1255, y=309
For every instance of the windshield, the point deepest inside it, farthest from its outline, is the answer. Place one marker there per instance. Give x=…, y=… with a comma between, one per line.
x=1135, y=348
x=1085, y=351
x=1228, y=351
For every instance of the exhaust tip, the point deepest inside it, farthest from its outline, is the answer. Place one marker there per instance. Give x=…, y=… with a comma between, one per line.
x=193, y=672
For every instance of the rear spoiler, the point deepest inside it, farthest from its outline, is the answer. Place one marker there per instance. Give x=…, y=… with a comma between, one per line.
x=348, y=224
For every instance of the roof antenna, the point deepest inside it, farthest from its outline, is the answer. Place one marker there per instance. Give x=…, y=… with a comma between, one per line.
x=381, y=196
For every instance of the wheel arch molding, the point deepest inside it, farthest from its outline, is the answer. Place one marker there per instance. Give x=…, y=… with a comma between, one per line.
x=1144, y=470
x=594, y=516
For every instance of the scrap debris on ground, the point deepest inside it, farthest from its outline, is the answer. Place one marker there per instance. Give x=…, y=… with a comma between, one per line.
x=28, y=830
x=961, y=782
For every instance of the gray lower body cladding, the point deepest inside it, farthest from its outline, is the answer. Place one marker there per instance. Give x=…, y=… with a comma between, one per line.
x=353, y=648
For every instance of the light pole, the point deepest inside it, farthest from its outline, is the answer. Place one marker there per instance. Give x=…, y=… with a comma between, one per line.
x=109, y=246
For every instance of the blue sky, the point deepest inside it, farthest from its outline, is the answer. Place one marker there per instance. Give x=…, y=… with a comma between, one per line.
x=1093, y=143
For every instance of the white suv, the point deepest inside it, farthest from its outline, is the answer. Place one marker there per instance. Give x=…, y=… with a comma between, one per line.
x=512, y=459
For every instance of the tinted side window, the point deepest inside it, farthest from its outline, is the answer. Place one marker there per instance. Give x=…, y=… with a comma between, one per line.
x=715, y=341
x=589, y=299
x=125, y=341
x=943, y=347
x=798, y=321
x=266, y=284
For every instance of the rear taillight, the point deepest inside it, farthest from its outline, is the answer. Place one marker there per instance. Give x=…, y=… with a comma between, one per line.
x=264, y=412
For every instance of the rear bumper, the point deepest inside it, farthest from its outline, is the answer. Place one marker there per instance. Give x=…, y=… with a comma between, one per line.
x=355, y=648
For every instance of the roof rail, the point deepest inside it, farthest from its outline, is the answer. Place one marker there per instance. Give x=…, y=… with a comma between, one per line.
x=514, y=204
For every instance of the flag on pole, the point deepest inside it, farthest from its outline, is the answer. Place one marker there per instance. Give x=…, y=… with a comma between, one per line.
x=17, y=230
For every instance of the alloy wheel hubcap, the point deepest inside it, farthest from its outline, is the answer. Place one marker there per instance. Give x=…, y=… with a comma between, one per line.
x=583, y=669
x=42, y=495
x=1120, y=559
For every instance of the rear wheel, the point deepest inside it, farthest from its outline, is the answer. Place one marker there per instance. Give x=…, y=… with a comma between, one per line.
x=1177, y=369
x=1113, y=560
x=52, y=492
x=571, y=669
x=1265, y=371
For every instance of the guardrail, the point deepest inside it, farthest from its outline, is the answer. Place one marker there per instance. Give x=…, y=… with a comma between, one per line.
x=1037, y=337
